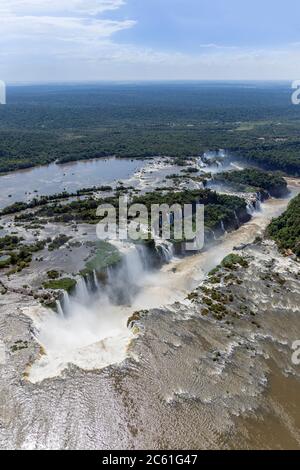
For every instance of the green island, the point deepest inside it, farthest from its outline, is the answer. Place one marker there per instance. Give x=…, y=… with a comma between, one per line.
x=105, y=255
x=252, y=180
x=65, y=283
x=219, y=207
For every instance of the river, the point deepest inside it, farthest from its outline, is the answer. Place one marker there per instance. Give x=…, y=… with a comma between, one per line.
x=96, y=324
x=164, y=387
x=52, y=179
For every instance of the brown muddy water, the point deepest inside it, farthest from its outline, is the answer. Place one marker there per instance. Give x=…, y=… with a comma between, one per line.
x=185, y=381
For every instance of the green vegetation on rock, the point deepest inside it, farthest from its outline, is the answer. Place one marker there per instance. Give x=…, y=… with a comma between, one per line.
x=232, y=261
x=58, y=241
x=14, y=252
x=53, y=274
x=66, y=284
x=105, y=255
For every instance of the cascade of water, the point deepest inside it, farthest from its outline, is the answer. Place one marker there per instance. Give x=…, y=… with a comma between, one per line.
x=258, y=202
x=144, y=256
x=133, y=264
x=223, y=227
x=96, y=282
x=214, y=235
x=236, y=218
x=59, y=309
x=66, y=302
x=165, y=248
x=122, y=283
x=89, y=283
x=251, y=206
x=82, y=293
x=168, y=251
x=110, y=275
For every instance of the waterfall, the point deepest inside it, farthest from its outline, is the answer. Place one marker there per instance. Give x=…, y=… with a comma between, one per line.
x=59, y=309
x=252, y=205
x=123, y=282
x=258, y=202
x=82, y=293
x=143, y=256
x=90, y=283
x=214, y=235
x=236, y=218
x=223, y=227
x=250, y=208
x=66, y=302
x=165, y=248
x=96, y=282
x=134, y=266
x=110, y=275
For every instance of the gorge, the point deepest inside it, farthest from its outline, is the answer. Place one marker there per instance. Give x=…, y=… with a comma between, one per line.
x=126, y=333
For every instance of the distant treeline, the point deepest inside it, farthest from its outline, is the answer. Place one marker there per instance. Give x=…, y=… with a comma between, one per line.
x=40, y=125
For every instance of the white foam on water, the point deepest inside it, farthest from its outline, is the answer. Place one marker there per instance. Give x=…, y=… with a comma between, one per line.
x=89, y=330
x=91, y=337
x=94, y=333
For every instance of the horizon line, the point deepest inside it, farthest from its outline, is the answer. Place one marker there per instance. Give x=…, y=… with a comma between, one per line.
x=140, y=81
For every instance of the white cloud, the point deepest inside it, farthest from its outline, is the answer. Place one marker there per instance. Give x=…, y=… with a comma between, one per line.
x=55, y=28
x=216, y=46
x=54, y=7
x=68, y=39
x=54, y=19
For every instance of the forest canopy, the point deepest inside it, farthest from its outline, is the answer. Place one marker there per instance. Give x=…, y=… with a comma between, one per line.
x=285, y=230
x=43, y=124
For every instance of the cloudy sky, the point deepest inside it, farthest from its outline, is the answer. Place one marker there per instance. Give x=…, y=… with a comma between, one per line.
x=78, y=40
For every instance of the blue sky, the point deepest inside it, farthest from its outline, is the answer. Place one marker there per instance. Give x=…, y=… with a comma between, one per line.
x=50, y=40
x=186, y=24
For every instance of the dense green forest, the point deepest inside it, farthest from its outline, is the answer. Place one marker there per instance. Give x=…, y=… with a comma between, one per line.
x=218, y=207
x=255, y=121
x=285, y=230
x=251, y=179
x=281, y=155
